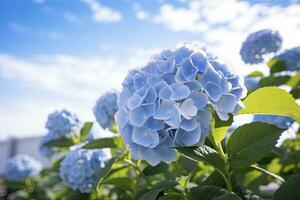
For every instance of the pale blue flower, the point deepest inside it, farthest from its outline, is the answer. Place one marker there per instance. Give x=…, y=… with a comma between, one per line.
x=291, y=59
x=169, y=101
x=258, y=44
x=63, y=123
x=280, y=121
x=252, y=83
x=21, y=166
x=80, y=167
x=105, y=109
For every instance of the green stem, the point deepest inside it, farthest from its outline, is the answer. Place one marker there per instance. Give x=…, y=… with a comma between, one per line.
x=227, y=175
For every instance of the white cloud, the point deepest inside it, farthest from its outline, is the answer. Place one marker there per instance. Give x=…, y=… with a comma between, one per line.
x=139, y=12
x=224, y=24
x=61, y=81
x=102, y=13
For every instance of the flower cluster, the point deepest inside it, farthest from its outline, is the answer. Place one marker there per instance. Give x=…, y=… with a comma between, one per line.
x=21, y=166
x=63, y=123
x=280, y=121
x=169, y=102
x=80, y=167
x=105, y=109
x=291, y=59
x=258, y=44
x=60, y=124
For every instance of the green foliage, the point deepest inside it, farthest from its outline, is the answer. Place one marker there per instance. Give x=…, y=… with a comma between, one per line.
x=113, y=142
x=245, y=141
x=85, y=130
x=211, y=193
x=273, y=101
x=205, y=154
x=289, y=190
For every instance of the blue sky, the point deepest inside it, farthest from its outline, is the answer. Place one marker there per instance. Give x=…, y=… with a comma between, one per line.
x=58, y=54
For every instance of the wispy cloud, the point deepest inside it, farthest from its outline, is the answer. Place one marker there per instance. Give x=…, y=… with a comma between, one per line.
x=70, y=17
x=102, y=13
x=16, y=27
x=39, y=1
x=69, y=82
x=224, y=24
x=139, y=12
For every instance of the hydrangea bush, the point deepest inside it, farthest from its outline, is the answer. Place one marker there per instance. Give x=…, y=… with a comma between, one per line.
x=169, y=102
x=80, y=167
x=258, y=44
x=21, y=166
x=105, y=109
x=173, y=115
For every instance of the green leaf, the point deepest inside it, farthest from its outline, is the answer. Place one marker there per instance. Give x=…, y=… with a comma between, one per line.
x=218, y=134
x=112, y=142
x=164, y=184
x=289, y=190
x=152, y=195
x=211, y=193
x=295, y=92
x=85, y=130
x=276, y=65
x=56, y=164
x=255, y=74
x=251, y=142
x=274, y=80
x=103, y=172
x=294, y=81
x=64, y=142
x=268, y=173
x=160, y=168
x=121, y=182
x=273, y=101
x=205, y=154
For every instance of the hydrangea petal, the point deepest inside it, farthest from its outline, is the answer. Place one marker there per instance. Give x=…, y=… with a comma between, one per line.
x=189, y=125
x=188, y=109
x=226, y=103
x=213, y=90
x=165, y=110
x=134, y=101
x=188, y=70
x=199, y=60
x=179, y=91
x=137, y=116
x=145, y=137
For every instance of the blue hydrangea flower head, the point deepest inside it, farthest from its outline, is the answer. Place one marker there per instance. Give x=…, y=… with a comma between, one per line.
x=21, y=166
x=258, y=44
x=169, y=101
x=280, y=121
x=45, y=151
x=80, y=167
x=291, y=58
x=252, y=83
x=63, y=123
x=105, y=109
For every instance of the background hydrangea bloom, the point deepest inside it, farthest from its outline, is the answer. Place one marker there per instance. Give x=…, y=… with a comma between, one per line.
x=291, y=59
x=168, y=102
x=258, y=44
x=252, y=83
x=21, y=166
x=105, y=109
x=61, y=124
x=280, y=121
x=80, y=167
